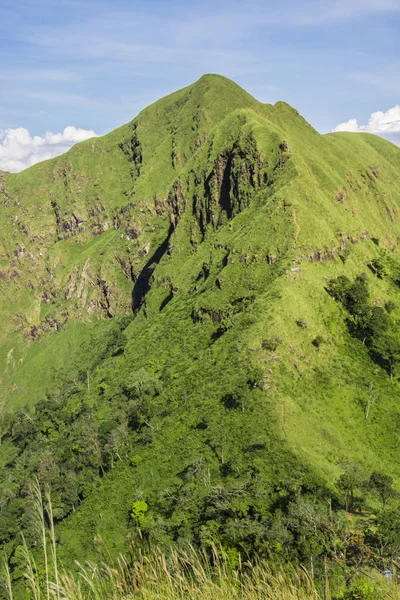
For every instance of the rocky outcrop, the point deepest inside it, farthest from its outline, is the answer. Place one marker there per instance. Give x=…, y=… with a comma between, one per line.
x=106, y=298
x=79, y=284
x=176, y=202
x=229, y=187
x=9, y=274
x=68, y=223
x=126, y=220
x=52, y=322
x=142, y=282
x=133, y=151
x=330, y=253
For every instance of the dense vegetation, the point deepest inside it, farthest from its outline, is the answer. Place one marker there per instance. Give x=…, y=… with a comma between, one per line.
x=201, y=341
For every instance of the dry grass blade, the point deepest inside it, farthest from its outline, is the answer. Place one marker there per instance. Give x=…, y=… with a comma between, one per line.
x=181, y=575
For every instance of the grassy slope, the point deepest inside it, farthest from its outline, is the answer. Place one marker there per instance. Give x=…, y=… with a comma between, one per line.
x=245, y=261
x=44, y=247
x=314, y=393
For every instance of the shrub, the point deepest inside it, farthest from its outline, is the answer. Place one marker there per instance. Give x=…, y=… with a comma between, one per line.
x=271, y=343
x=302, y=324
x=390, y=306
x=318, y=341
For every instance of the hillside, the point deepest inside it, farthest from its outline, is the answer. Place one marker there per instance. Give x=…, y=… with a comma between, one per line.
x=175, y=351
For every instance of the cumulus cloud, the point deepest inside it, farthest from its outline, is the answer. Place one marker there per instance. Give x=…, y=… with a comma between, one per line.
x=380, y=122
x=19, y=150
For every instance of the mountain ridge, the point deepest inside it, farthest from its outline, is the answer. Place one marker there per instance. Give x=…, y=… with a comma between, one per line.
x=175, y=328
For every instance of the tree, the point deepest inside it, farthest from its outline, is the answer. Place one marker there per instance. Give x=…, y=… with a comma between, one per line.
x=371, y=323
x=387, y=536
x=321, y=532
x=367, y=400
x=387, y=346
x=356, y=296
x=338, y=288
x=140, y=517
x=349, y=481
x=382, y=485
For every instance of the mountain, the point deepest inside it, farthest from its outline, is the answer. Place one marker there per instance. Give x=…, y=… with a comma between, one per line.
x=200, y=325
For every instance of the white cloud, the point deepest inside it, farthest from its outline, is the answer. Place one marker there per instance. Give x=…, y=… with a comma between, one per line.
x=350, y=125
x=380, y=122
x=19, y=150
x=385, y=122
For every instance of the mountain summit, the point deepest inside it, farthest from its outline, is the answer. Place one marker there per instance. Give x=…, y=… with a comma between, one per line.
x=200, y=314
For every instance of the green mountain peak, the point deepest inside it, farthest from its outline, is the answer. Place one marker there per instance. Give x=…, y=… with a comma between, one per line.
x=200, y=313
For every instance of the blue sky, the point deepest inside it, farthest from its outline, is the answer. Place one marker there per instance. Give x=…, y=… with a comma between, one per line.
x=93, y=65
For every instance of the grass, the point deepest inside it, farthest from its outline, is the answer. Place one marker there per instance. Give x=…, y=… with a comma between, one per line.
x=180, y=576
x=189, y=574
x=186, y=576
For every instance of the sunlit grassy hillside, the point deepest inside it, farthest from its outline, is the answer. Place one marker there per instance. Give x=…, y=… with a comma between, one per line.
x=201, y=334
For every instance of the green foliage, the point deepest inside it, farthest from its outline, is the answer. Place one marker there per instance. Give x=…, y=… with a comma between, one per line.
x=271, y=343
x=318, y=341
x=361, y=589
x=349, y=481
x=354, y=296
x=369, y=323
x=385, y=266
x=386, y=538
x=390, y=306
x=382, y=485
x=301, y=323
x=138, y=514
x=387, y=347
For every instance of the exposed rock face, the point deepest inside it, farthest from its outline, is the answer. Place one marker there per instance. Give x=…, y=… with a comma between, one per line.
x=126, y=220
x=79, y=284
x=229, y=187
x=53, y=322
x=133, y=151
x=176, y=203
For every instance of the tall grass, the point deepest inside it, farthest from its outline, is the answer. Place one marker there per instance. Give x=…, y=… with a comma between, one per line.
x=182, y=575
